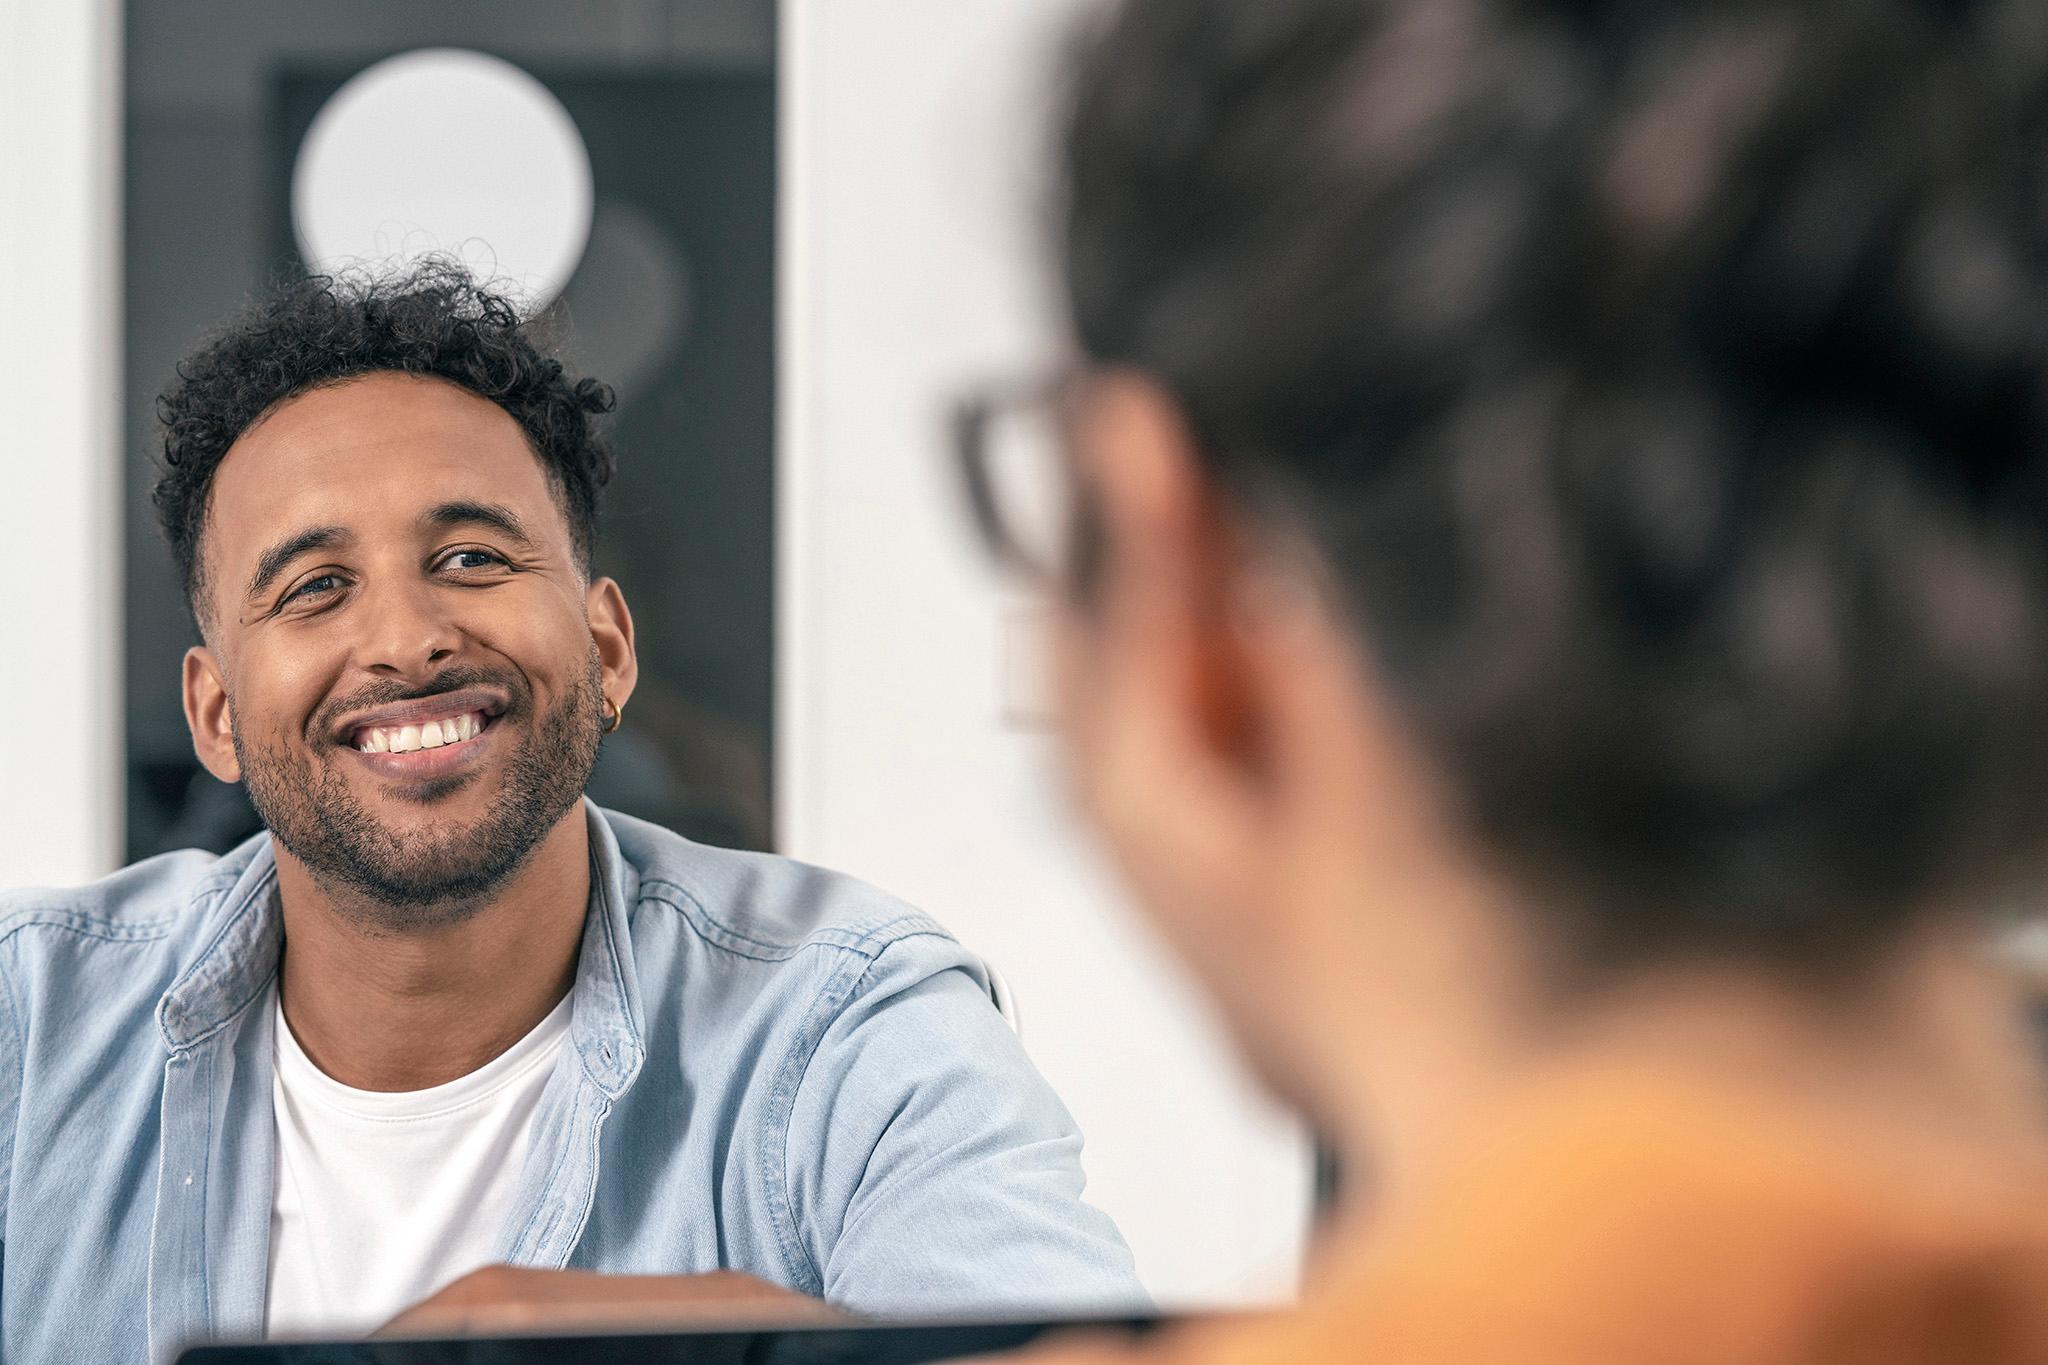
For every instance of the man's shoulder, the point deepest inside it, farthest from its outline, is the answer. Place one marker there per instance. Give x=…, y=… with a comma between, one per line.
x=156, y=900
x=765, y=907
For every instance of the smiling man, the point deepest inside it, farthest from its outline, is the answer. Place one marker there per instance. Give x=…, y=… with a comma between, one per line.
x=445, y=1014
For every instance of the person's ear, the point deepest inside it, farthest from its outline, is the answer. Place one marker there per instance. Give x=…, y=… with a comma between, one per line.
x=611, y=629
x=209, y=715
x=1162, y=675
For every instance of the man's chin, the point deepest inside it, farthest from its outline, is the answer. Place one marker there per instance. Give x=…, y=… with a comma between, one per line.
x=426, y=865
x=432, y=791
x=436, y=879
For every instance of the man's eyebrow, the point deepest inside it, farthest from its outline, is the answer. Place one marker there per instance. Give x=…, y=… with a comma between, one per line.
x=285, y=551
x=464, y=513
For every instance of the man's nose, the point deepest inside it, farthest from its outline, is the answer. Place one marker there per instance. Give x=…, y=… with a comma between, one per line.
x=407, y=631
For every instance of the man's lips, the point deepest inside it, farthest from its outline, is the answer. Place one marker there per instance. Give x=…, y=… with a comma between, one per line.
x=431, y=734
x=425, y=762
x=423, y=739
x=385, y=726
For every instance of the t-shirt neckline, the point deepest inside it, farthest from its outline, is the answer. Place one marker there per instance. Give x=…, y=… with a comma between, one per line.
x=303, y=1076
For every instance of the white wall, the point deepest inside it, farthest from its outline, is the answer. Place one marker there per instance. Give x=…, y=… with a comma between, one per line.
x=910, y=265
x=60, y=566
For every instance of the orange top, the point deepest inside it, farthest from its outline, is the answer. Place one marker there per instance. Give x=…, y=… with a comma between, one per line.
x=1617, y=1213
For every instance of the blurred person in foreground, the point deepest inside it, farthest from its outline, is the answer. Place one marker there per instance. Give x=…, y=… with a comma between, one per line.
x=445, y=1013
x=1554, y=626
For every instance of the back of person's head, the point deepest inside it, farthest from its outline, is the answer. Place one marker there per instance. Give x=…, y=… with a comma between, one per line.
x=1662, y=385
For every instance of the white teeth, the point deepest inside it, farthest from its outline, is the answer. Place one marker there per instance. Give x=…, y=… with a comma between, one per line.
x=405, y=739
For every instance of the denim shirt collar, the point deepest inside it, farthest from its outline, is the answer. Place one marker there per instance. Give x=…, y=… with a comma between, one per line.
x=244, y=941
x=605, y=1024
x=244, y=938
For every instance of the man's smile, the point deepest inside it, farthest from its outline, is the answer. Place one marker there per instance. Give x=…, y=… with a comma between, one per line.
x=404, y=739
x=426, y=738
x=410, y=758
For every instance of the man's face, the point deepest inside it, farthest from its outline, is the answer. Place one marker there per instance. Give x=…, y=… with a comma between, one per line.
x=405, y=664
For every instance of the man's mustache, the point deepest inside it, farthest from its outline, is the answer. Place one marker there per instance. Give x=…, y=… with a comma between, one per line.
x=451, y=679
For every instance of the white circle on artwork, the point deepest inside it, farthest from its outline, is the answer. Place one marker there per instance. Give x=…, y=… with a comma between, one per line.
x=444, y=150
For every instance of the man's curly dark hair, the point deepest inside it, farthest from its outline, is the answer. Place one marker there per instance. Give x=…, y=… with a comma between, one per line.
x=430, y=318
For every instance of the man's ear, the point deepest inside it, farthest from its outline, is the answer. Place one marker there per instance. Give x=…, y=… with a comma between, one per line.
x=209, y=716
x=611, y=630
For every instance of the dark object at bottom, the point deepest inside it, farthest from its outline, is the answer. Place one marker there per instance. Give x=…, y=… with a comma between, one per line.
x=877, y=1344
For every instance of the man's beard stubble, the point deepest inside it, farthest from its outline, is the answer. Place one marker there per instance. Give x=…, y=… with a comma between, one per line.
x=427, y=874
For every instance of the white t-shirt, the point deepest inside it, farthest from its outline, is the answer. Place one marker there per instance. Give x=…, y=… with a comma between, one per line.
x=384, y=1197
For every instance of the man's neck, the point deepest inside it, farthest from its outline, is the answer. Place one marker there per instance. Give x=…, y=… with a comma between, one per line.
x=380, y=1009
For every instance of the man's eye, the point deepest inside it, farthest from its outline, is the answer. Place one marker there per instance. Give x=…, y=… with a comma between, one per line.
x=313, y=586
x=471, y=559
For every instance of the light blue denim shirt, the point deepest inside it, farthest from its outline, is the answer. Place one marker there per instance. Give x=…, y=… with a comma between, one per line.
x=771, y=1068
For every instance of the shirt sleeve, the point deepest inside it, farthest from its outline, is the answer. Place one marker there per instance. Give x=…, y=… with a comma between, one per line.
x=11, y=1060
x=932, y=1169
